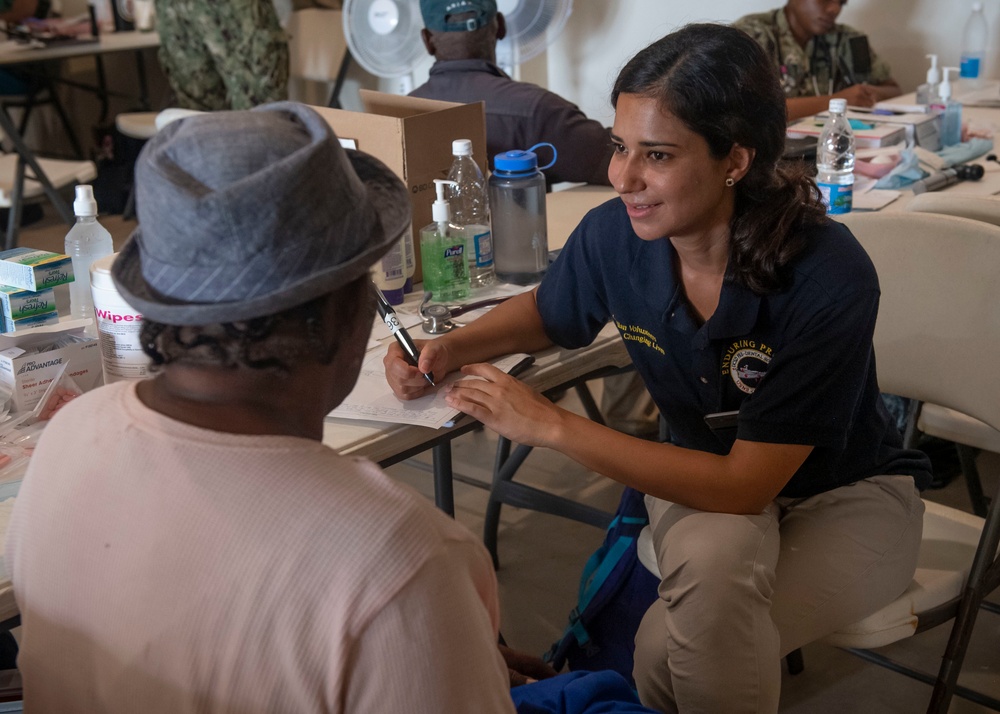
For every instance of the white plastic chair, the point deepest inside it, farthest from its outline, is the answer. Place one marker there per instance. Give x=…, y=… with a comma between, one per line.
x=937, y=325
x=18, y=186
x=968, y=434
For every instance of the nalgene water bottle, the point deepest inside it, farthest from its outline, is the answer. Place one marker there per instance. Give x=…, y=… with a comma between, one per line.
x=517, y=202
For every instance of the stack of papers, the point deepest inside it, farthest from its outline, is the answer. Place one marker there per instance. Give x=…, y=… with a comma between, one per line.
x=878, y=135
x=372, y=400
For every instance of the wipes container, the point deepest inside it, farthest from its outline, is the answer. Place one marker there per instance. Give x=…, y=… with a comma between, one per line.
x=118, y=327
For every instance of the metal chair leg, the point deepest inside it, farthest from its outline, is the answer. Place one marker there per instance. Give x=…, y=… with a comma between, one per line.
x=967, y=459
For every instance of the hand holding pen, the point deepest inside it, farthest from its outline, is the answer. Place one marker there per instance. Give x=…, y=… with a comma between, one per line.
x=388, y=316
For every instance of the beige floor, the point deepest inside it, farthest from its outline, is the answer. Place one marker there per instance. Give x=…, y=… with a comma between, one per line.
x=541, y=558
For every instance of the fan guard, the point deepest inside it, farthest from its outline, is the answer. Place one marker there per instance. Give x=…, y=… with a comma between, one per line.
x=384, y=35
x=532, y=25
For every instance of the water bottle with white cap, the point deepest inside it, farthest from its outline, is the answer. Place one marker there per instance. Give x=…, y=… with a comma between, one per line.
x=835, y=160
x=974, y=39
x=470, y=211
x=86, y=242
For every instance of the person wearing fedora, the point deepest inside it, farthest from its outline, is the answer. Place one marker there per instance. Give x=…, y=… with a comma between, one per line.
x=187, y=543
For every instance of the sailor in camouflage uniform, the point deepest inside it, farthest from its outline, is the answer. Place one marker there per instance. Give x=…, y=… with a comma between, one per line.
x=813, y=55
x=223, y=54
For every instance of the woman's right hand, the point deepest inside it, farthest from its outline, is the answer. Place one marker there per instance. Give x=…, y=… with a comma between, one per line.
x=407, y=381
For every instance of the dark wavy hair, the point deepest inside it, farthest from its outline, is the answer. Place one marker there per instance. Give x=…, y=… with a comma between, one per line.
x=271, y=343
x=720, y=83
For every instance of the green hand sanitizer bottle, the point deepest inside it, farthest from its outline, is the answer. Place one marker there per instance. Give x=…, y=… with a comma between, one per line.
x=442, y=253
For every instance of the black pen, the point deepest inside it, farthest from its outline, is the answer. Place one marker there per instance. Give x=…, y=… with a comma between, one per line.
x=388, y=316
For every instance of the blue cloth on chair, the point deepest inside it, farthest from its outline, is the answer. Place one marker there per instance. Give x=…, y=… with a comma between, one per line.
x=604, y=692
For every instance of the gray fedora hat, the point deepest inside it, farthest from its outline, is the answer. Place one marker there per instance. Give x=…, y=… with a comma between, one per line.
x=248, y=213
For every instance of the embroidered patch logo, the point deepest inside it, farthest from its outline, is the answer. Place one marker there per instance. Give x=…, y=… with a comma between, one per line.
x=746, y=362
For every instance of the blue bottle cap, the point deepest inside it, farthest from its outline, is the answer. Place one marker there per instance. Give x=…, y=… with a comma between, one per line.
x=516, y=161
x=519, y=161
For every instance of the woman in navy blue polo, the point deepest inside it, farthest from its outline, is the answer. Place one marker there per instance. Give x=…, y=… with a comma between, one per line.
x=734, y=294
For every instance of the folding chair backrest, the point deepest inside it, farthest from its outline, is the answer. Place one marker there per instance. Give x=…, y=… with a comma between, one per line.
x=978, y=208
x=938, y=333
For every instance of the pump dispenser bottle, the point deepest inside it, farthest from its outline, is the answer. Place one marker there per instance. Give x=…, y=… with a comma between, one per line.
x=442, y=252
x=927, y=93
x=951, y=111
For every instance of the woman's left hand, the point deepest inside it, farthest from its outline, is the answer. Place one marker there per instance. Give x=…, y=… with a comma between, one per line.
x=505, y=404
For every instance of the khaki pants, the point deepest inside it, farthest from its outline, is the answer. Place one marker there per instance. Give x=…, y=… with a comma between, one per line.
x=738, y=593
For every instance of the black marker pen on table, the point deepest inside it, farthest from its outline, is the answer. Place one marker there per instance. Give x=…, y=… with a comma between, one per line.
x=388, y=316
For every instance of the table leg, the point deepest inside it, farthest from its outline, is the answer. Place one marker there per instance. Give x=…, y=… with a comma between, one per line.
x=444, y=488
x=14, y=214
x=140, y=64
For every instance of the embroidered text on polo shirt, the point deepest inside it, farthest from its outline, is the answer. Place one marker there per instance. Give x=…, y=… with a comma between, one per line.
x=634, y=333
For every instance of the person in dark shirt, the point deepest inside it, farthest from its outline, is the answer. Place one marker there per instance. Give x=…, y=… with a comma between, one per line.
x=785, y=507
x=462, y=36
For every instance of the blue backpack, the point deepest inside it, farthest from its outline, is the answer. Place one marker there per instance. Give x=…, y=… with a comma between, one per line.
x=615, y=592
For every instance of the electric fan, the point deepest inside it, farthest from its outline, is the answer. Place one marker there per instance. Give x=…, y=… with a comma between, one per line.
x=384, y=37
x=532, y=25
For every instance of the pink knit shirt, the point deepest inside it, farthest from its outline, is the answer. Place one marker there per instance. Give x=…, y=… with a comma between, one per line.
x=160, y=567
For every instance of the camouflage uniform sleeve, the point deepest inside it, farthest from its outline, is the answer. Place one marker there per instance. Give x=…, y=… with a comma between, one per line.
x=762, y=32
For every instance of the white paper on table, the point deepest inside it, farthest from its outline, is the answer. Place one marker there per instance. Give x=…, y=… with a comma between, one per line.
x=373, y=400
x=874, y=199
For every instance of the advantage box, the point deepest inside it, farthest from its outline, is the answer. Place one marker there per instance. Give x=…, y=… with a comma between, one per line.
x=412, y=137
x=30, y=374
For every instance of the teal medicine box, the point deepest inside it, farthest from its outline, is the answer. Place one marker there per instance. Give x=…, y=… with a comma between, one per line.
x=34, y=270
x=18, y=304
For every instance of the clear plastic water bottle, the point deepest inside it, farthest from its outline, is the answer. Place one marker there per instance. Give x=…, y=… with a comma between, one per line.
x=86, y=241
x=471, y=213
x=835, y=160
x=974, y=40
x=520, y=234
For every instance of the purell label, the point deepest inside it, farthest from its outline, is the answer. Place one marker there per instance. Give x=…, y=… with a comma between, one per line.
x=455, y=251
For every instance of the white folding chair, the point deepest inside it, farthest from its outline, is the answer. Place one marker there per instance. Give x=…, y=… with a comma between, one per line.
x=21, y=183
x=969, y=435
x=938, y=323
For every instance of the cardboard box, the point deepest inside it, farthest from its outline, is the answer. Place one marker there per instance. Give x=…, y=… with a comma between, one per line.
x=30, y=374
x=413, y=138
x=31, y=269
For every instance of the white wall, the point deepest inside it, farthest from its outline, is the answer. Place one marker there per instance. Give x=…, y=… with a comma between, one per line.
x=601, y=35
